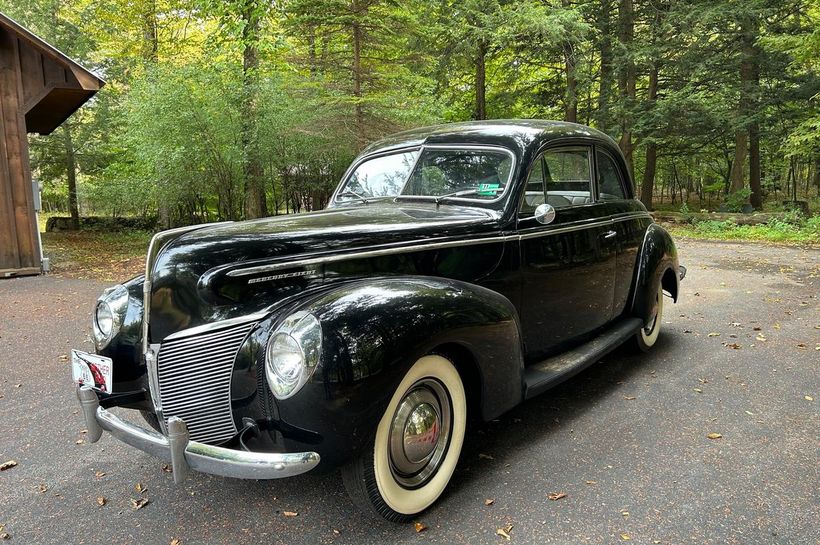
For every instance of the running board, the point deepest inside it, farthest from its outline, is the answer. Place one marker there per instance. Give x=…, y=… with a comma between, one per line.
x=540, y=377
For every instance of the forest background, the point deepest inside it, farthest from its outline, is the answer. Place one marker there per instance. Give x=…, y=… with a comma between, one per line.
x=223, y=110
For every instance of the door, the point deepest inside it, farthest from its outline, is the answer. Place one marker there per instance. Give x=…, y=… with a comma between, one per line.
x=629, y=222
x=568, y=266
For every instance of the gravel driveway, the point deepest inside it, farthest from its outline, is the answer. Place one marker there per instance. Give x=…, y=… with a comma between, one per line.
x=626, y=440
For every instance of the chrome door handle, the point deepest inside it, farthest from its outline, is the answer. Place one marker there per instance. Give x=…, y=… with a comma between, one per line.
x=610, y=234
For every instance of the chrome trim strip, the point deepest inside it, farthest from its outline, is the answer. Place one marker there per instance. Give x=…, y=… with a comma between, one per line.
x=419, y=245
x=195, y=455
x=333, y=258
x=214, y=326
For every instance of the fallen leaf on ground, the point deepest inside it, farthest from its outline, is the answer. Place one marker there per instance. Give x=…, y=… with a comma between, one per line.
x=42, y=488
x=505, y=531
x=166, y=468
x=100, y=500
x=626, y=537
x=489, y=501
x=140, y=503
x=556, y=495
x=808, y=398
x=761, y=337
x=714, y=435
x=485, y=456
x=801, y=345
x=420, y=527
x=591, y=482
x=100, y=474
x=629, y=398
x=713, y=334
x=139, y=488
x=625, y=514
x=8, y=465
x=79, y=441
x=698, y=390
x=290, y=513
x=733, y=346
x=175, y=541
x=4, y=536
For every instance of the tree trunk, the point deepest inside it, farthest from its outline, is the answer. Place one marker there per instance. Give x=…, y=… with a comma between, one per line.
x=648, y=183
x=744, y=109
x=149, y=33
x=571, y=98
x=737, y=174
x=71, y=172
x=361, y=139
x=255, y=205
x=626, y=79
x=605, y=84
x=481, y=81
x=756, y=198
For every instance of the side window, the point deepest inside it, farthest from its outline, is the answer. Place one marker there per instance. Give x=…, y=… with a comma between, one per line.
x=609, y=181
x=567, y=177
x=534, y=192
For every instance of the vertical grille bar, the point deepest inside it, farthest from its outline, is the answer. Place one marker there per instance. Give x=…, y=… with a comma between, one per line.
x=194, y=376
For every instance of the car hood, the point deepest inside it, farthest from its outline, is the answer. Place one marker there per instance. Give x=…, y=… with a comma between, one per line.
x=200, y=276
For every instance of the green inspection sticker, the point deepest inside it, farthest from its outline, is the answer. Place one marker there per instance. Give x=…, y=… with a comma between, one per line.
x=488, y=189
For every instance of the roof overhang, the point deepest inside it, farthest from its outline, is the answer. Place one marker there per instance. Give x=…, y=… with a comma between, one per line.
x=54, y=85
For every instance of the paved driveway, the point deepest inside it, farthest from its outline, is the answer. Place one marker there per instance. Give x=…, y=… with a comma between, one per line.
x=626, y=441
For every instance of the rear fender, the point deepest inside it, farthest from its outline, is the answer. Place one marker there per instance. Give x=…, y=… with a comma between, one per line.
x=657, y=263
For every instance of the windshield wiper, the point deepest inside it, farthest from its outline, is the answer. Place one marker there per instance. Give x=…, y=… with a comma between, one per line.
x=350, y=193
x=462, y=193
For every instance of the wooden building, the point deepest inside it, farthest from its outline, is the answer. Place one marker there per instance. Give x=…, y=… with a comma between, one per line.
x=39, y=88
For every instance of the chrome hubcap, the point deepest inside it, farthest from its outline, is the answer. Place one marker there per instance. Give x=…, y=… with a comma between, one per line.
x=420, y=433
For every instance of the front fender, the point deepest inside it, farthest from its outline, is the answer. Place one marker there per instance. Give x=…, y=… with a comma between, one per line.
x=657, y=262
x=374, y=330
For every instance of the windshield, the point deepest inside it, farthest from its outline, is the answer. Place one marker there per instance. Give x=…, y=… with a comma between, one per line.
x=478, y=174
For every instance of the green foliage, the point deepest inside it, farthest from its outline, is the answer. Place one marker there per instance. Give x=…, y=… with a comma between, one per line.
x=197, y=90
x=736, y=201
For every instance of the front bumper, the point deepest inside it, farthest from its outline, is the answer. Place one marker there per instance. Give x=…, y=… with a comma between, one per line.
x=184, y=454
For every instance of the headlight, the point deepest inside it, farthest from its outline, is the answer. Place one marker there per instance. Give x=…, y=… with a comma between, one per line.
x=293, y=353
x=109, y=314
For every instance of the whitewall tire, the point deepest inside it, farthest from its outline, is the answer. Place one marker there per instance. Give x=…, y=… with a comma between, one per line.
x=416, y=445
x=648, y=335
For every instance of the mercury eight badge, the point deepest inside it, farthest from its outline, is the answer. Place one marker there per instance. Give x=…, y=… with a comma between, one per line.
x=457, y=271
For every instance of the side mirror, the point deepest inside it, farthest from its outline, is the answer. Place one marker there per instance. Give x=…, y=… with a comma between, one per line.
x=544, y=214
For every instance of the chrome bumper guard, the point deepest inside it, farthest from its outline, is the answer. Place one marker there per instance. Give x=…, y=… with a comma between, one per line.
x=185, y=454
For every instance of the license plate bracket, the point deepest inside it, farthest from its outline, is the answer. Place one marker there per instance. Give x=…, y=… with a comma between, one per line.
x=92, y=370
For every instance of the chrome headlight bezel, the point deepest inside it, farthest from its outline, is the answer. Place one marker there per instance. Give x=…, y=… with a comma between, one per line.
x=292, y=353
x=109, y=313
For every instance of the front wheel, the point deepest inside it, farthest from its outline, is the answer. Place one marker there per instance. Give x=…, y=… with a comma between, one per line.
x=648, y=335
x=415, y=446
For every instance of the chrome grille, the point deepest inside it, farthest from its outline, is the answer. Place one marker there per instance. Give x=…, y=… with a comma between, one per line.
x=194, y=376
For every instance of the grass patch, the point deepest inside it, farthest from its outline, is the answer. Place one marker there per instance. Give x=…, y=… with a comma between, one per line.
x=99, y=255
x=792, y=231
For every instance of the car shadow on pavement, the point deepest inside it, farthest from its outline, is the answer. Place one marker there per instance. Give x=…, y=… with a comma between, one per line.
x=489, y=449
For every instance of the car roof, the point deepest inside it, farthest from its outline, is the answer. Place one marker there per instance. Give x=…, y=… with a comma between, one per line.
x=516, y=134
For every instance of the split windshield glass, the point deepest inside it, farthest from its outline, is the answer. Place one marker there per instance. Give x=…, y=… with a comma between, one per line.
x=482, y=174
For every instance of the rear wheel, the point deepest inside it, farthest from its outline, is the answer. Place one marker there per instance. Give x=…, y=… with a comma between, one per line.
x=415, y=446
x=648, y=335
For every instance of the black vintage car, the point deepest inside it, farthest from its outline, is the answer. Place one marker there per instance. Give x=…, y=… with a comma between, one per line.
x=457, y=271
